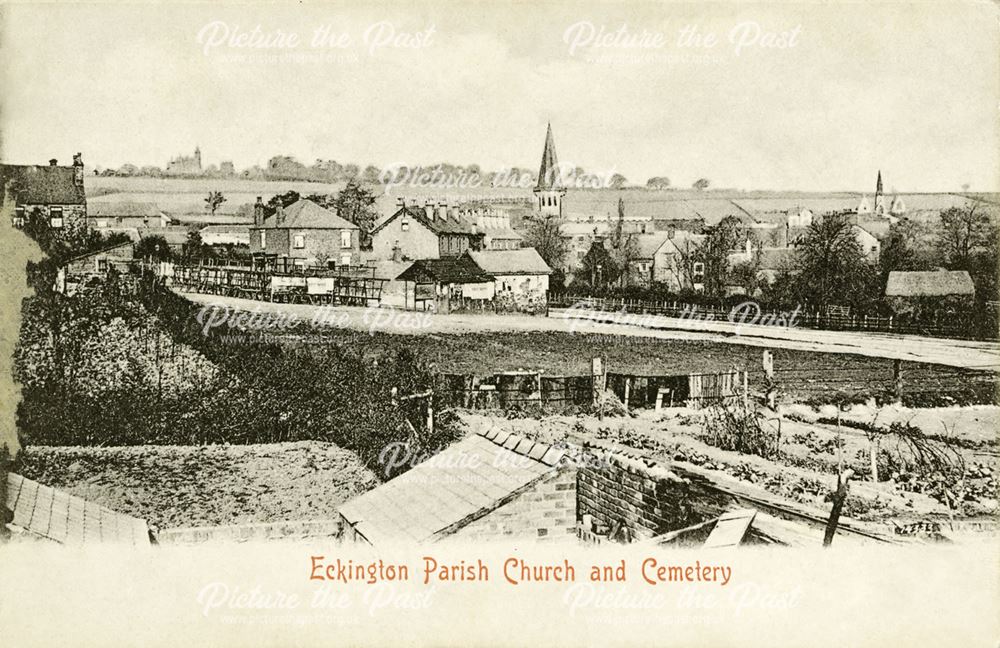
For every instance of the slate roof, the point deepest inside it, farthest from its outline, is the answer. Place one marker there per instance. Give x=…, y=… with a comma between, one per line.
x=452, y=489
x=934, y=283
x=449, y=270
x=524, y=261
x=43, y=184
x=438, y=226
x=124, y=209
x=47, y=513
x=648, y=244
x=305, y=214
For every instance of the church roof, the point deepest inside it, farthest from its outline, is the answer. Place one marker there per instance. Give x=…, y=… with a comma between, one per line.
x=548, y=173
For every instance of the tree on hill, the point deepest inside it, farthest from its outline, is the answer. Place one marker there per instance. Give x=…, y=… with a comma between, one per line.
x=617, y=181
x=214, y=201
x=700, y=184
x=658, y=182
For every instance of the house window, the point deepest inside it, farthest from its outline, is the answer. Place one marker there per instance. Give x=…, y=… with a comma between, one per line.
x=345, y=238
x=18, y=216
x=56, y=217
x=102, y=222
x=263, y=239
x=345, y=259
x=699, y=268
x=298, y=263
x=299, y=241
x=405, y=225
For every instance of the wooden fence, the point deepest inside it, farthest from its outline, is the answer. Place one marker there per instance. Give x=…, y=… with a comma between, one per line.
x=942, y=324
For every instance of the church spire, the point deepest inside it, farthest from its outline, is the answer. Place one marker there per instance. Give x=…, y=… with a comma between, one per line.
x=878, y=184
x=548, y=174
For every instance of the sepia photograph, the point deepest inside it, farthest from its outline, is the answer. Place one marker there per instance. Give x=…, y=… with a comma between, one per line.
x=500, y=324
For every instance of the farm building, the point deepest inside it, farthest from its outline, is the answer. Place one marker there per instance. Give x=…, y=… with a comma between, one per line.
x=913, y=291
x=51, y=192
x=225, y=235
x=304, y=234
x=521, y=278
x=119, y=214
x=478, y=488
x=447, y=285
x=41, y=513
x=428, y=232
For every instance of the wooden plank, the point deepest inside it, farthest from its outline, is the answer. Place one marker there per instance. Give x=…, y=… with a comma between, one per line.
x=731, y=528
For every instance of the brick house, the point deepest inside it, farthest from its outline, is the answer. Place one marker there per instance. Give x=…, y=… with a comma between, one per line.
x=305, y=234
x=428, y=232
x=55, y=193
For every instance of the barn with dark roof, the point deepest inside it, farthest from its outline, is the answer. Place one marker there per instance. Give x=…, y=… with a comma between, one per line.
x=50, y=192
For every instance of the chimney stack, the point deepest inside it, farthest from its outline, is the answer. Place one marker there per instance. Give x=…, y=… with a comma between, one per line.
x=279, y=215
x=397, y=253
x=78, y=169
x=258, y=212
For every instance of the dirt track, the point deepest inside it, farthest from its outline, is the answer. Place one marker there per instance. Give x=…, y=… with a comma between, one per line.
x=954, y=353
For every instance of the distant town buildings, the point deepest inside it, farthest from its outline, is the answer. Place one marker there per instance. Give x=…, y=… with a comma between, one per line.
x=184, y=165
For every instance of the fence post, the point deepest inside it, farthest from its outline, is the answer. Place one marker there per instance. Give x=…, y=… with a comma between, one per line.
x=628, y=389
x=897, y=378
x=597, y=376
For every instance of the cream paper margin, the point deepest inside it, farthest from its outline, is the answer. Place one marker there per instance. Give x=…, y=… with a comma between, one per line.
x=100, y=596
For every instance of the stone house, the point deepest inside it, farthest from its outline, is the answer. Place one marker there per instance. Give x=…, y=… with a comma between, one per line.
x=51, y=192
x=304, y=234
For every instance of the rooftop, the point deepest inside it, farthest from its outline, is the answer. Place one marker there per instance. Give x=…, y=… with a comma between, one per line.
x=934, y=283
x=305, y=214
x=501, y=262
x=453, y=488
x=449, y=270
x=46, y=513
x=38, y=184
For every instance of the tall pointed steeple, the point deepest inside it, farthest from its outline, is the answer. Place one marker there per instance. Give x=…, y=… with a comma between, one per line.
x=549, y=189
x=879, y=201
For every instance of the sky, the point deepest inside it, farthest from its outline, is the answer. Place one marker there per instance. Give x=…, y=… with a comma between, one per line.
x=814, y=97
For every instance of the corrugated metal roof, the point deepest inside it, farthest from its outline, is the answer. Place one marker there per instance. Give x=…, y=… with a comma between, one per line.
x=45, y=512
x=511, y=262
x=454, y=488
x=934, y=283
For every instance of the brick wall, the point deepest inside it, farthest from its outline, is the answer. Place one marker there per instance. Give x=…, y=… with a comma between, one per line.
x=647, y=500
x=546, y=511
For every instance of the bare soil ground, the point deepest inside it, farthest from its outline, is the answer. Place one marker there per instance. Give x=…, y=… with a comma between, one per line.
x=186, y=486
x=809, y=460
